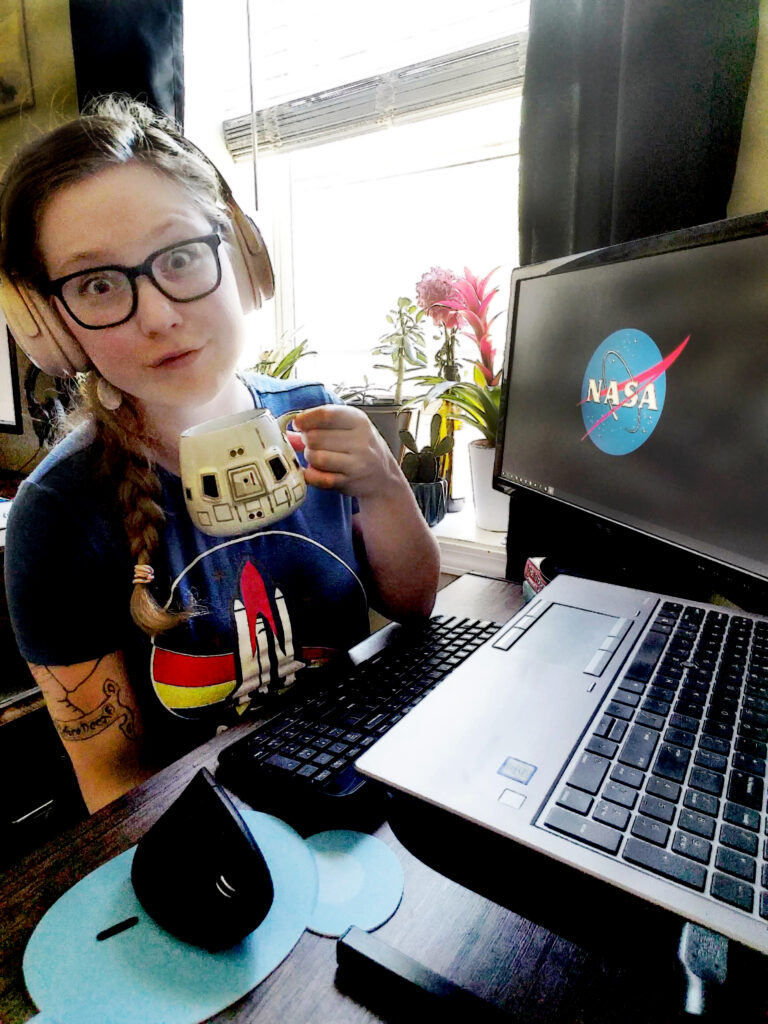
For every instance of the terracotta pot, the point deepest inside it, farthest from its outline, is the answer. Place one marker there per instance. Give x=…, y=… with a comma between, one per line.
x=491, y=506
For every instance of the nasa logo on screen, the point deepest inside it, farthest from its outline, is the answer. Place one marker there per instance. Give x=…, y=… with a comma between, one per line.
x=624, y=389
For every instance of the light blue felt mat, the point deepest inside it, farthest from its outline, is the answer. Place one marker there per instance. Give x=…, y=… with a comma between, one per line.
x=360, y=882
x=145, y=974
x=326, y=883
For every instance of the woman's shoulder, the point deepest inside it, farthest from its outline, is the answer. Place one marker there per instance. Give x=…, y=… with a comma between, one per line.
x=280, y=396
x=67, y=473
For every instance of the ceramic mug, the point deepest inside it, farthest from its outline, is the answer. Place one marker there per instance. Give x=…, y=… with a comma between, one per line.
x=240, y=472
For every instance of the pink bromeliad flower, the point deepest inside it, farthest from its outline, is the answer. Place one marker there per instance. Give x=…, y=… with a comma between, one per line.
x=470, y=300
x=432, y=291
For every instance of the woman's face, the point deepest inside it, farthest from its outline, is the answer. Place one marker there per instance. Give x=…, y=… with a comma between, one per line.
x=169, y=354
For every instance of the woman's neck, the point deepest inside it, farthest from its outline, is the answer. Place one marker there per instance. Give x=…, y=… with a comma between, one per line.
x=165, y=424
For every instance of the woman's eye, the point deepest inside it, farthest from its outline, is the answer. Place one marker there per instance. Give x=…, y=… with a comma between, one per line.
x=178, y=260
x=96, y=286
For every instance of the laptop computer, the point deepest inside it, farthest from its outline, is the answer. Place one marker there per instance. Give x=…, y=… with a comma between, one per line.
x=616, y=729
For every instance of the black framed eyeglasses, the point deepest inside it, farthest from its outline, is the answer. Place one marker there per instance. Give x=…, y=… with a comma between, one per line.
x=107, y=296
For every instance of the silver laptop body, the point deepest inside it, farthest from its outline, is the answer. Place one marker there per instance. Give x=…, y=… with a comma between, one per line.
x=550, y=735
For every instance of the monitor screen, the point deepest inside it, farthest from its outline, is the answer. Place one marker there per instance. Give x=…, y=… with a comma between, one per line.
x=636, y=388
x=10, y=400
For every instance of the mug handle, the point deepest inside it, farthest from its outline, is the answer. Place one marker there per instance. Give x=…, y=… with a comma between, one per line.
x=285, y=419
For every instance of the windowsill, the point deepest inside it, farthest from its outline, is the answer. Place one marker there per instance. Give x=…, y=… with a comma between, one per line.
x=464, y=547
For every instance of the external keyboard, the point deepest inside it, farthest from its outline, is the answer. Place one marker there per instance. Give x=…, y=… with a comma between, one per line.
x=672, y=779
x=300, y=764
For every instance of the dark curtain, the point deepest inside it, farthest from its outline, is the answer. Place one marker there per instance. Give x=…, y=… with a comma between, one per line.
x=631, y=120
x=130, y=46
x=631, y=123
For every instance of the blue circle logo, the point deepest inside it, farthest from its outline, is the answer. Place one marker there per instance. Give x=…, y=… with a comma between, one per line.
x=623, y=392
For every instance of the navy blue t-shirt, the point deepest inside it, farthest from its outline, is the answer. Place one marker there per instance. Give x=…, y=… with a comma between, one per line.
x=271, y=602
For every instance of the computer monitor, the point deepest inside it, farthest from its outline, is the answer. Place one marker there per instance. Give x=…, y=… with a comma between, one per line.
x=10, y=399
x=636, y=391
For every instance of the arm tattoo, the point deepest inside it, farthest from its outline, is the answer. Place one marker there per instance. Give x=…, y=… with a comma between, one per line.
x=82, y=708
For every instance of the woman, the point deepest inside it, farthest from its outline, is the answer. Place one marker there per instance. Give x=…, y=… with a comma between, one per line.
x=144, y=634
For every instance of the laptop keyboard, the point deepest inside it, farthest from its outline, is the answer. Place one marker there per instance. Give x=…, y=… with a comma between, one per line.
x=672, y=778
x=311, y=747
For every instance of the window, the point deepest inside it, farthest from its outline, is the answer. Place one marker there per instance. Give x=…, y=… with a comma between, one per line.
x=355, y=215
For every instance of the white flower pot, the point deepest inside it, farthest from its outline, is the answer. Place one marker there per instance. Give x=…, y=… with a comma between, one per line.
x=491, y=506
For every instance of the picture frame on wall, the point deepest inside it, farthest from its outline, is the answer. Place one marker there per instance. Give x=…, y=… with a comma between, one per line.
x=16, y=91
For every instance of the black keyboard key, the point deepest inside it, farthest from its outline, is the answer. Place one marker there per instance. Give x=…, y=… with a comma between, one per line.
x=639, y=747
x=714, y=743
x=600, y=745
x=611, y=814
x=732, y=891
x=619, y=794
x=589, y=772
x=672, y=762
x=585, y=829
x=745, y=789
x=699, y=824
x=575, y=800
x=664, y=862
x=706, y=781
x=746, y=817
x=656, y=707
x=619, y=710
x=680, y=738
x=664, y=788
x=627, y=776
x=650, y=721
x=704, y=803
x=286, y=764
x=739, y=839
x=709, y=759
x=692, y=846
x=749, y=764
x=617, y=730
x=735, y=863
x=654, y=807
x=654, y=831
x=647, y=657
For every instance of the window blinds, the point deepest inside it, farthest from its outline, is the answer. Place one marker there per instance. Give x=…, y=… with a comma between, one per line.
x=329, y=78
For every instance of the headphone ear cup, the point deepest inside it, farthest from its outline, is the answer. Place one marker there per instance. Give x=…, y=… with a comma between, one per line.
x=252, y=265
x=40, y=331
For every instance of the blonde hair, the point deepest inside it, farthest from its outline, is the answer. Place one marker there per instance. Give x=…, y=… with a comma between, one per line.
x=114, y=130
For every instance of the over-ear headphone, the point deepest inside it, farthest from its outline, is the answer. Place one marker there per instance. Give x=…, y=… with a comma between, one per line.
x=42, y=334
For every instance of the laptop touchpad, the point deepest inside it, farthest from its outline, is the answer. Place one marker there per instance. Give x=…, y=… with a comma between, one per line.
x=562, y=635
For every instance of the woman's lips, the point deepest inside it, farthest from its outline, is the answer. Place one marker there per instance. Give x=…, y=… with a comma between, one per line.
x=173, y=359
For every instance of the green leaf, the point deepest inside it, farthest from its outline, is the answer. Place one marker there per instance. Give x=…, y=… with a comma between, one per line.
x=409, y=440
x=444, y=445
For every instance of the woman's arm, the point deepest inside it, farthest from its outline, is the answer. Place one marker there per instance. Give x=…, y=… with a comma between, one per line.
x=95, y=713
x=345, y=452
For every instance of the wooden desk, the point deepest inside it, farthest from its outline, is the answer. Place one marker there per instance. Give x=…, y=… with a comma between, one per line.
x=532, y=972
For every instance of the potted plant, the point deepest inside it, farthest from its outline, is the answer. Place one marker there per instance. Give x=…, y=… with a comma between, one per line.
x=477, y=401
x=390, y=412
x=421, y=468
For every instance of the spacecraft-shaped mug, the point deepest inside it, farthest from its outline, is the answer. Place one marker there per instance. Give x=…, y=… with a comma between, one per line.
x=240, y=473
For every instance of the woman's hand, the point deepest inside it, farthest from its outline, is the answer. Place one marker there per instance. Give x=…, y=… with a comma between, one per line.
x=344, y=451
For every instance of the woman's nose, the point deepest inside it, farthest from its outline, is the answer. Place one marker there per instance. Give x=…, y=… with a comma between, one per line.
x=154, y=312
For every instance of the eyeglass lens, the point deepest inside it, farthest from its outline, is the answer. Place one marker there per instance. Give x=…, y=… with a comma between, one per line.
x=105, y=296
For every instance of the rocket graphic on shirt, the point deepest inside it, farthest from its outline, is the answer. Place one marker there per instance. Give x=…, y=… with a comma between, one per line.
x=263, y=659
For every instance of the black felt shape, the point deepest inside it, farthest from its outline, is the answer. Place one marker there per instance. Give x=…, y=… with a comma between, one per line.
x=198, y=871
